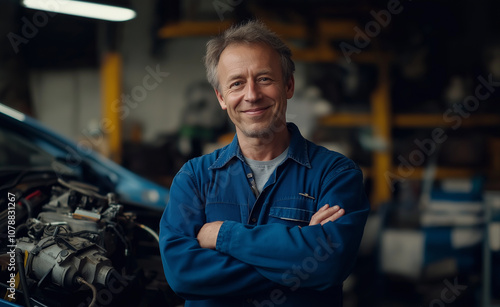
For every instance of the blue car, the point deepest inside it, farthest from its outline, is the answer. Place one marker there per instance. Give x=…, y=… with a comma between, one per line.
x=77, y=228
x=25, y=143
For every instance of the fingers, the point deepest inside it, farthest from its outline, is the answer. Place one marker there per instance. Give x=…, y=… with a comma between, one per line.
x=340, y=212
x=326, y=214
x=319, y=215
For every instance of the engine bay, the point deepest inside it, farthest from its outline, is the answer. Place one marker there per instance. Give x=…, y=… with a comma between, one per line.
x=77, y=247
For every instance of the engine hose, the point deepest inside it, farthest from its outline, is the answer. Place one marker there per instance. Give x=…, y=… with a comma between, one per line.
x=80, y=189
x=91, y=286
x=150, y=231
x=27, y=204
x=22, y=276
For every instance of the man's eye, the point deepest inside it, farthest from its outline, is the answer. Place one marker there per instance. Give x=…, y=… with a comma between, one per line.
x=265, y=79
x=235, y=84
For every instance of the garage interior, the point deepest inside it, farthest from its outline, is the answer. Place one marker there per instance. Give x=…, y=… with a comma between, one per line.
x=407, y=89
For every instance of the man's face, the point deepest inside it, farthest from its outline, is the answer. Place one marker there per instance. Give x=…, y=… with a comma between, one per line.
x=252, y=89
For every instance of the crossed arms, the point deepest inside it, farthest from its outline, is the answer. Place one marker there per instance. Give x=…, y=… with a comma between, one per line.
x=207, y=236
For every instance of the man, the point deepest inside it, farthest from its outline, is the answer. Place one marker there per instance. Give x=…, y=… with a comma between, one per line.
x=271, y=219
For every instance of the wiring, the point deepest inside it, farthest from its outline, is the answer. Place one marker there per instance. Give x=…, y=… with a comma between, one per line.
x=22, y=276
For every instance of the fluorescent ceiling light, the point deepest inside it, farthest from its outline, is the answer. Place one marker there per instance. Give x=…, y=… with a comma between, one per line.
x=82, y=8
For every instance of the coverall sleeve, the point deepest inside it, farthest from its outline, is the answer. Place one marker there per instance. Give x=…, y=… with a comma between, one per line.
x=191, y=271
x=316, y=256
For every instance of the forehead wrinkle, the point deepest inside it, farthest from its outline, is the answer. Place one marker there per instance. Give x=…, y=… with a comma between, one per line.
x=239, y=75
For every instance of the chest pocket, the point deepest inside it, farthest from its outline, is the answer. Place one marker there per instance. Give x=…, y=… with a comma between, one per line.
x=290, y=216
x=223, y=212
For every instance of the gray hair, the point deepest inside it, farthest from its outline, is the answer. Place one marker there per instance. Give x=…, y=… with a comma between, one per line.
x=253, y=31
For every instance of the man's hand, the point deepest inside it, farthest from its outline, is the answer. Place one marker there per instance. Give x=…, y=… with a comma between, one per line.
x=326, y=214
x=207, y=236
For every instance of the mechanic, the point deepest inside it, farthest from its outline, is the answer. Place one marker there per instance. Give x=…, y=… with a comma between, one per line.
x=270, y=219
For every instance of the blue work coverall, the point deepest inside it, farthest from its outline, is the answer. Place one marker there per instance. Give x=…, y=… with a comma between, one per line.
x=262, y=256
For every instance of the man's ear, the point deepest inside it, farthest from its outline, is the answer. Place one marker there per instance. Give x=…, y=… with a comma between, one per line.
x=221, y=99
x=290, y=87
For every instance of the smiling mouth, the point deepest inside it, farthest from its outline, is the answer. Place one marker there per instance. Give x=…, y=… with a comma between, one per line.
x=256, y=111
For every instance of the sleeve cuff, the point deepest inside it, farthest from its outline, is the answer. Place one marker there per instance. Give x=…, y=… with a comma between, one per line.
x=224, y=237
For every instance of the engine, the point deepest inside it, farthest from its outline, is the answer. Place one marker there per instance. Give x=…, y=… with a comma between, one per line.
x=81, y=248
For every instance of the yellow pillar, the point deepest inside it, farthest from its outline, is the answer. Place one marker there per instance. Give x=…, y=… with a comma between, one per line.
x=111, y=72
x=381, y=112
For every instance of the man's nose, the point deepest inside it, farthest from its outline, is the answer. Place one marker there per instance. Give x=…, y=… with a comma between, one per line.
x=252, y=92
